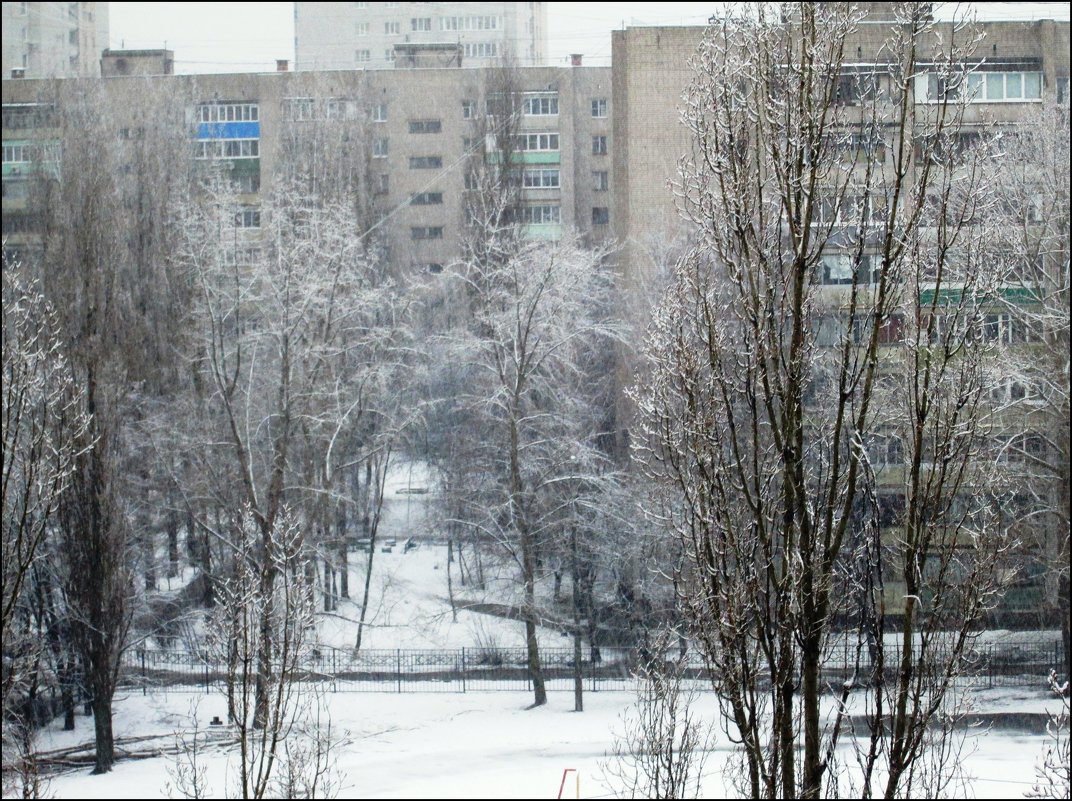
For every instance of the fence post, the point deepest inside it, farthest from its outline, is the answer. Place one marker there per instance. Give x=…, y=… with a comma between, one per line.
x=141, y=652
x=463, y=668
x=398, y=667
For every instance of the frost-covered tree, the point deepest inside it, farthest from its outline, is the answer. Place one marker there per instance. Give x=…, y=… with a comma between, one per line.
x=103, y=192
x=533, y=316
x=1030, y=397
x=42, y=429
x=297, y=332
x=816, y=405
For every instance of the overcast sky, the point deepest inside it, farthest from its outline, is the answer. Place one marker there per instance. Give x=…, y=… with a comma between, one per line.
x=247, y=37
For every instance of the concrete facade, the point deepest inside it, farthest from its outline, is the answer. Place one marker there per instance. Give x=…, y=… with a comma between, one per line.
x=413, y=131
x=54, y=40
x=651, y=71
x=330, y=36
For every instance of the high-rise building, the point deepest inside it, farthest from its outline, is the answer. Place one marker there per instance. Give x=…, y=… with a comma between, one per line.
x=54, y=40
x=331, y=36
x=412, y=132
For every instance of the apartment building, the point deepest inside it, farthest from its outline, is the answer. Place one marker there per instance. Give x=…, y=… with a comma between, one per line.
x=54, y=40
x=1016, y=66
x=414, y=132
x=330, y=36
x=1019, y=63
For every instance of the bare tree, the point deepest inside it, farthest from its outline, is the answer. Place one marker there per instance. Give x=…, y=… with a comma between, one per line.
x=535, y=313
x=102, y=262
x=267, y=594
x=816, y=403
x=296, y=325
x=1030, y=395
x=665, y=741
x=40, y=431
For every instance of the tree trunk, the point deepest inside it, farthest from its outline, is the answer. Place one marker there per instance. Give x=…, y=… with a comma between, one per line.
x=450, y=580
x=578, y=673
x=102, y=730
x=344, y=554
x=173, y=544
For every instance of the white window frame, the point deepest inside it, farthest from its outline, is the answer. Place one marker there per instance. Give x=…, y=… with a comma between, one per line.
x=541, y=178
x=236, y=111
x=541, y=105
x=537, y=142
x=540, y=214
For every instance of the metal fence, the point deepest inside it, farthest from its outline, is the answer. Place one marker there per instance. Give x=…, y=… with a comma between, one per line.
x=1024, y=663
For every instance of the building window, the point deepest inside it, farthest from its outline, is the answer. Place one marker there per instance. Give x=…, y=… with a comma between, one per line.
x=342, y=108
x=382, y=183
x=17, y=153
x=425, y=162
x=426, y=199
x=599, y=107
x=837, y=268
x=248, y=218
x=425, y=126
x=481, y=22
x=853, y=89
x=241, y=256
x=420, y=24
x=362, y=56
x=28, y=115
x=1004, y=329
x=537, y=141
x=600, y=215
x=599, y=145
x=361, y=5
x=480, y=49
x=434, y=268
x=468, y=109
x=298, y=109
x=379, y=112
x=245, y=184
x=600, y=180
x=982, y=87
x=392, y=28
x=379, y=148
x=541, y=105
x=227, y=112
x=227, y=149
x=539, y=215
x=361, y=29
x=426, y=232
x=540, y=179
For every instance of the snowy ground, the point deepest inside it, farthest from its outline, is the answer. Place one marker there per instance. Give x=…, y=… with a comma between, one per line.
x=472, y=745
x=476, y=745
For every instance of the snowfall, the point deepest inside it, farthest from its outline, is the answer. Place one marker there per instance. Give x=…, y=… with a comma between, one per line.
x=484, y=744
